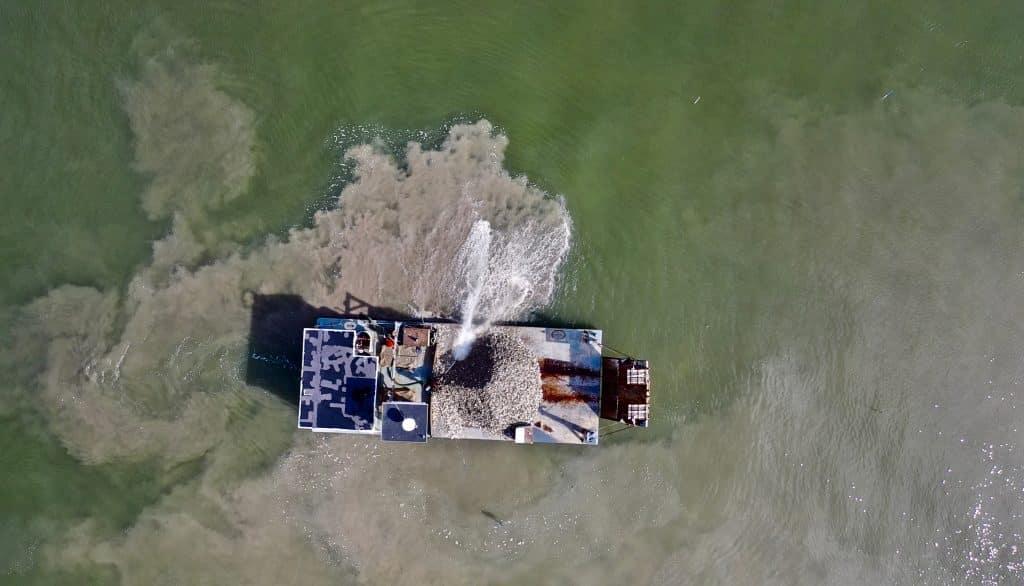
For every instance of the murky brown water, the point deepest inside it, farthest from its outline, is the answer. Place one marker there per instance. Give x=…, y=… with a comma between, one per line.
x=809, y=220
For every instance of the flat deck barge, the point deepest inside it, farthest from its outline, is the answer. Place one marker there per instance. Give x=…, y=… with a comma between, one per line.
x=400, y=380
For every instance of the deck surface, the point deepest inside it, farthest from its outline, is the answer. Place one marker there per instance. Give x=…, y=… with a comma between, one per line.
x=553, y=386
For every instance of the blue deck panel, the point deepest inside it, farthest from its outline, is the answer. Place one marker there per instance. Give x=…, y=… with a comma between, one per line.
x=395, y=412
x=330, y=323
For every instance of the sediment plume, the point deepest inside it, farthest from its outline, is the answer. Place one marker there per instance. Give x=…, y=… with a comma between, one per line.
x=174, y=365
x=155, y=372
x=152, y=373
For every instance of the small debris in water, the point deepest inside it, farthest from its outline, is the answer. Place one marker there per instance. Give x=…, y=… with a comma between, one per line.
x=491, y=516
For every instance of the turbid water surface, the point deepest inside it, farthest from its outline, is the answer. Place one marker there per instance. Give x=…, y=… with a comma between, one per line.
x=808, y=216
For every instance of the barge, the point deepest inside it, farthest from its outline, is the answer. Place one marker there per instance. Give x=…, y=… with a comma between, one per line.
x=407, y=381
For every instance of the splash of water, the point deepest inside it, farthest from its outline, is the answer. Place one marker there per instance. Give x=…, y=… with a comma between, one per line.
x=474, y=258
x=502, y=274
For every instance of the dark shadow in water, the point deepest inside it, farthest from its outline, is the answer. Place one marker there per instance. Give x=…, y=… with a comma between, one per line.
x=275, y=337
x=353, y=306
x=577, y=430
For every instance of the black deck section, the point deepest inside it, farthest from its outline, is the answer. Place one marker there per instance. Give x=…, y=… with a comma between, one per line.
x=338, y=391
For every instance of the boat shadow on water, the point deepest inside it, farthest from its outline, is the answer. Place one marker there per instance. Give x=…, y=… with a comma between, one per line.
x=274, y=358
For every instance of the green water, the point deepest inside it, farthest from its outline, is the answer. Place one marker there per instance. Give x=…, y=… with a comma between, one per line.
x=807, y=215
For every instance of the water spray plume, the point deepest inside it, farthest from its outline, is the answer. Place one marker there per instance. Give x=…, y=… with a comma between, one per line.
x=500, y=273
x=474, y=259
